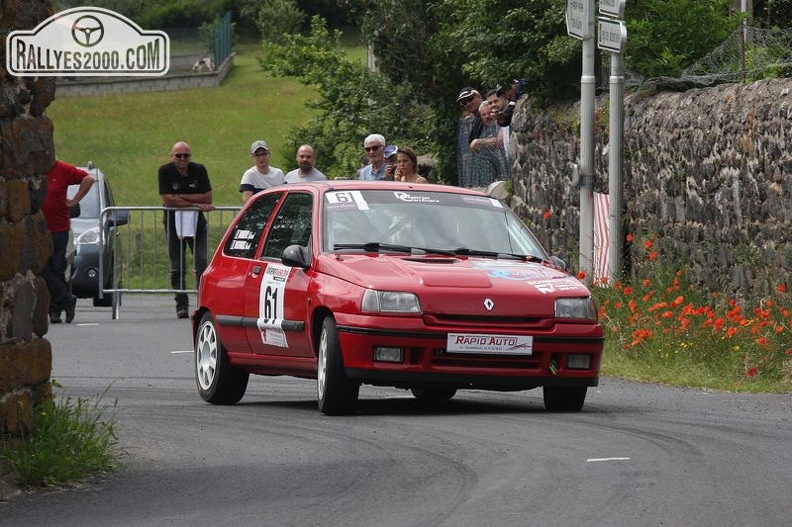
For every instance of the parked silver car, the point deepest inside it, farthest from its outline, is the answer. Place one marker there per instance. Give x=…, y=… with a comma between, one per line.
x=89, y=227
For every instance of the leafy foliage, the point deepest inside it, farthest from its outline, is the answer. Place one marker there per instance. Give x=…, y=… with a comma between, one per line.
x=666, y=36
x=353, y=102
x=276, y=18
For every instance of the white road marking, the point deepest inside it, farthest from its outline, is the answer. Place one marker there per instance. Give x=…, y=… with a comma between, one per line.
x=601, y=459
x=87, y=324
x=182, y=351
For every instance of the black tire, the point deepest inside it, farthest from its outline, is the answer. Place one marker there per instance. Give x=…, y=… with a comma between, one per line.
x=336, y=394
x=434, y=394
x=218, y=382
x=563, y=399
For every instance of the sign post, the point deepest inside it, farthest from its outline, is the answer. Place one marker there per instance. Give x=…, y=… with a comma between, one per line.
x=580, y=24
x=612, y=37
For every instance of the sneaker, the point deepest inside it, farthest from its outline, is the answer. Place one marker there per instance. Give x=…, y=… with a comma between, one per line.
x=181, y=312
x=69, y=309
x=55, y=318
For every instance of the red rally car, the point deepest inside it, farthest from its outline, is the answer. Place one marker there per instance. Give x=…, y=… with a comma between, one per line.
x=421, y=287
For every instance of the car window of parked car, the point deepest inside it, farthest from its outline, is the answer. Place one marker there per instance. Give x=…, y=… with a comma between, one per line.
x=244, y=240
x=292, y=225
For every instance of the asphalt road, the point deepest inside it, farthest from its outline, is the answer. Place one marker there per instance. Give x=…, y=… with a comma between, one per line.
x=637, y=455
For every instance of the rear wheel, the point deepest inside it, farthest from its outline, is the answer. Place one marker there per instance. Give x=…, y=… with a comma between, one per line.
x=218, y=382
x=336, y=394
x=434, y=394
x=564, y=399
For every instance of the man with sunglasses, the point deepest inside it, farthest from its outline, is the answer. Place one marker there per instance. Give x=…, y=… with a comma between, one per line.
x=471, y=99
x=185, y=185
x=374, y=145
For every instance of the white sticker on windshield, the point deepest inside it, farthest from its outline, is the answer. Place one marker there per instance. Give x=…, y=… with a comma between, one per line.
x=345, y=198
x=273, y=289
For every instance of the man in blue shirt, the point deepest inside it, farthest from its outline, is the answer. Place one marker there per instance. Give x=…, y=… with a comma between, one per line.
x=374, y=145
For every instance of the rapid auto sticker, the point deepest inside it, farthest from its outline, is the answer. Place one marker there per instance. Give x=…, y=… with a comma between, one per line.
x=273, y=289
x=489, y=344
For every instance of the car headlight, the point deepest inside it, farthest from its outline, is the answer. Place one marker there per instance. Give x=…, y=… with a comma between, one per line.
x=580, y=308
x=90, y=236
x=390, y=302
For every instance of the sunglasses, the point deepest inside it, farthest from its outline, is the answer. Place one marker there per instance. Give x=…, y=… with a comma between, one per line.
x=372, y=148
x=261, y=154
x=182, y=156
x=466, y=100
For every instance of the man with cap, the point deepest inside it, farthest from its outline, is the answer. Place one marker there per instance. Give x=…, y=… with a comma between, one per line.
x=374, y=145
x=185, y=185
x=305, y=170
x=260, y=176
x=390, y=161
x=470, y=99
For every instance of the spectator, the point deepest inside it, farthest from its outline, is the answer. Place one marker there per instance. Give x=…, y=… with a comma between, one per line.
x=374, y=145
x=185, y=185
x=390, y=161
x=503, y=111
x=489, y=159
x=470, y=99
x=407, y=166
x=305, y=170
x=260, y=176
x=56, y=213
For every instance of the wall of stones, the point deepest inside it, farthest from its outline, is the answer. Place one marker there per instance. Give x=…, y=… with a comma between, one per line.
x=707, y=176
x=26, y=154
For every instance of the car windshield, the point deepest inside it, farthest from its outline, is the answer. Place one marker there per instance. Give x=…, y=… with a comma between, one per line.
x=90, y=206
x=418, y=222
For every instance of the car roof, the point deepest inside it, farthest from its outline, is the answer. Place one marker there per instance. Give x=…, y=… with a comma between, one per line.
x=355, y=184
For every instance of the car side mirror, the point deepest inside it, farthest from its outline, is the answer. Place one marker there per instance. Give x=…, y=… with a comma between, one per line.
x=558, y=262
x=118, y=218
x=296, y=256
x=74, y=211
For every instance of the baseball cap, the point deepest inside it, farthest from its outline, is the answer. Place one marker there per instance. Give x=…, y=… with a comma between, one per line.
x=390, y=150
x=258, y=144
x=466, y=92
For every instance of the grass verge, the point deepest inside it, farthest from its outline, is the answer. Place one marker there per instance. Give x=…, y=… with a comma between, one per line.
x=69, y=440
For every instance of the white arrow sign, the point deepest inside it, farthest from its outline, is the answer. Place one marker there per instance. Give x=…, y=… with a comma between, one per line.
x=611, y=35
x=577, y=16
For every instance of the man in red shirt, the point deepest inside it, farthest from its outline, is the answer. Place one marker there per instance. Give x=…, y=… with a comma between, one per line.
x=56, y=211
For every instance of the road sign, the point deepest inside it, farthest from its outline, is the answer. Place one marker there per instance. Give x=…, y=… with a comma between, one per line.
x=611, y=35
x=614, y=8
x=577, y=17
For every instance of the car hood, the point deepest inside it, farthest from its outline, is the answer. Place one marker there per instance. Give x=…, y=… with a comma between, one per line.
x=460, y=285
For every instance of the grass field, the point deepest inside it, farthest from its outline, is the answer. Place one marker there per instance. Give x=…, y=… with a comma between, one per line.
x=129, y=136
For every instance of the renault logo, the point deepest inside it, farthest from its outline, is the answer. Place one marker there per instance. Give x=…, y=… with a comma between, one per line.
x=489, y=304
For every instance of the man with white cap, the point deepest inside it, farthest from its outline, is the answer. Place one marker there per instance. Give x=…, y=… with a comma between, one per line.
x=260, y=176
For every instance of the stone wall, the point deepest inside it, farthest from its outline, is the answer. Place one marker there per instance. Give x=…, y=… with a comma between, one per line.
x=26, y=154
x=706, y=174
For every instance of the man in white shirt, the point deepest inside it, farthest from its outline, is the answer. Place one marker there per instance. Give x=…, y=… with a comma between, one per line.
x=261, y=176
x=306, y=170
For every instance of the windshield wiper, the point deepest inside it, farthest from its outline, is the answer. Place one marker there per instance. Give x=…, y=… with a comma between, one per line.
x=466, y=251
x=374, y=247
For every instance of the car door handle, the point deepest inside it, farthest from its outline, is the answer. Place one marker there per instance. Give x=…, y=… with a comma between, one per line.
x=256, y=270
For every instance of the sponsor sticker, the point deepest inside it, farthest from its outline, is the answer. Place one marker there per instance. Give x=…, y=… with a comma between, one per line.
x=270, y=321
x=489, y=344
x=87, y=42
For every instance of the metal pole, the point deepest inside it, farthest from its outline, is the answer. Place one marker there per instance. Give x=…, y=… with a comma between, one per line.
x=615, y=161
x=587, y=85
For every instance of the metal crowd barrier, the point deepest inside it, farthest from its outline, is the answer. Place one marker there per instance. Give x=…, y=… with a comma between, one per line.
x=140, y=263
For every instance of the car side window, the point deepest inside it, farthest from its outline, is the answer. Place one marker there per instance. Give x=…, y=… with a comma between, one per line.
x=244, y=240
x=291, y=226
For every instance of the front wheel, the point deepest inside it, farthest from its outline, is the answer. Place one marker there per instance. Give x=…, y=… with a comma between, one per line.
x=564, y=399
x=336, y=394
x=218, y=382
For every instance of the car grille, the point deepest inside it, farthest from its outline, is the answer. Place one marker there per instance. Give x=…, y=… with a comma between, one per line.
x=481, y=322
x=440, y=357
